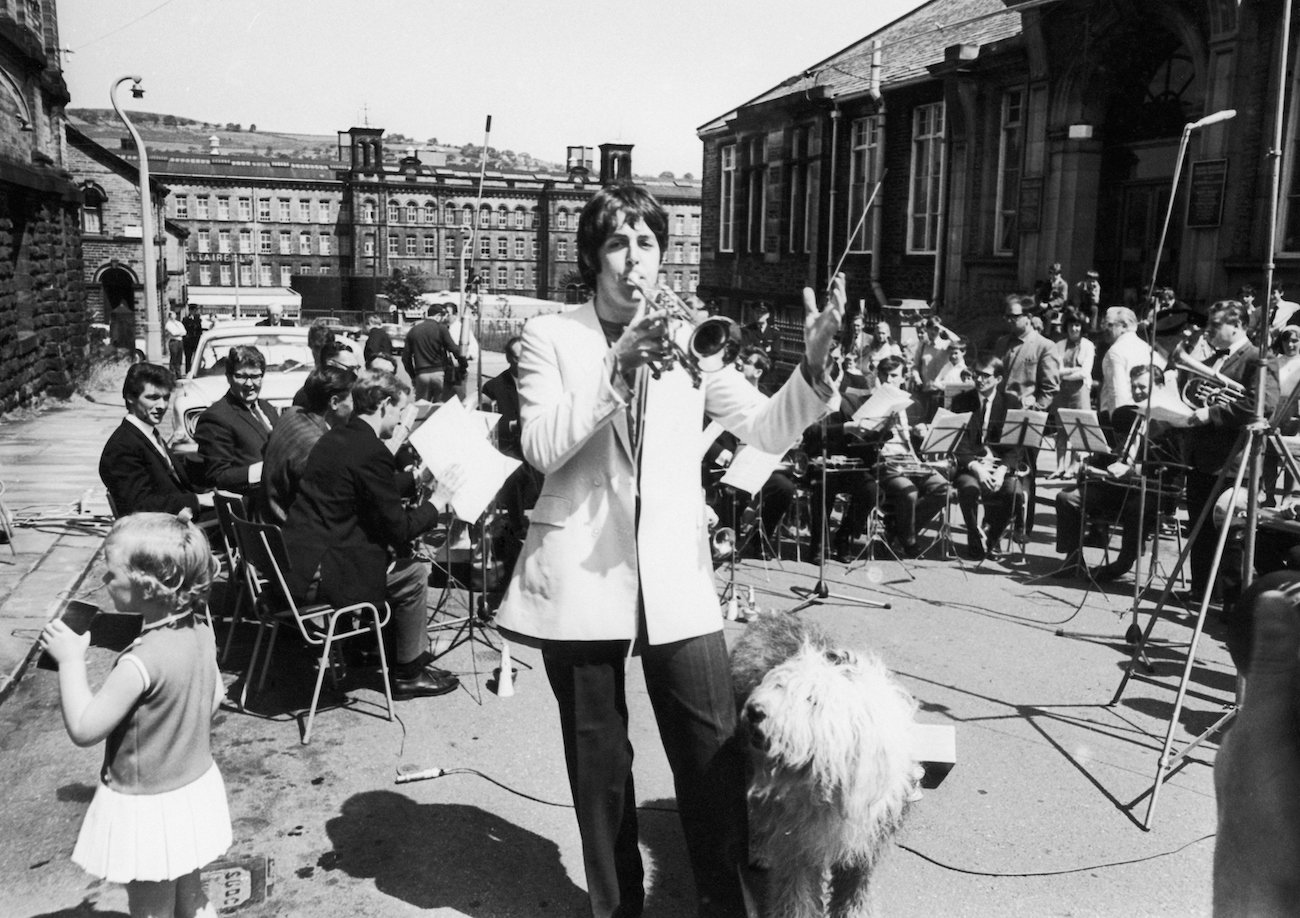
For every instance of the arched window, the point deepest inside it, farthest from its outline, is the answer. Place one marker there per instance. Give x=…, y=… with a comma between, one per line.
x=449, y=214
x=92, y=209
x=485, y=216
x=562, y=219
x=502, y=217
x=467, y=215
x=431, y=212
x=412, y=212
x=532, y=218
x=519, y=218
x=368, y=210
x=393, y=212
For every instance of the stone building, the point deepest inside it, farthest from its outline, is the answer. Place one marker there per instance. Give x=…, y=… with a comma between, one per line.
x=43, y=320
x=335, y=231
x=1004, y=140
x=111, y=238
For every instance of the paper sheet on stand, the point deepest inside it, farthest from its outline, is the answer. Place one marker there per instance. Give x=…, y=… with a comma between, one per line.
x=454, y=446
x=750, y=469
x=876, y=411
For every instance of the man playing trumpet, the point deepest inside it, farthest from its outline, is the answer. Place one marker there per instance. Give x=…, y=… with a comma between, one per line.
x=617, y=558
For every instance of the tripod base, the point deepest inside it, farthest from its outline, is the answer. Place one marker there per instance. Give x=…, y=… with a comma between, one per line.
x=820, y=593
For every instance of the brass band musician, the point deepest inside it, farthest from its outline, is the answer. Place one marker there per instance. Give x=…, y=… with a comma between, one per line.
x=1110, y=489
x=914, y=491
x=986, y=472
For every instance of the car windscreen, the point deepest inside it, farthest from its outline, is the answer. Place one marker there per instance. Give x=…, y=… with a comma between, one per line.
x=282, y=353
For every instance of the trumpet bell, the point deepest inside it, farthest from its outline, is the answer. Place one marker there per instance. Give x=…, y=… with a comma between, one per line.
x=715, y=343
x=723, y=544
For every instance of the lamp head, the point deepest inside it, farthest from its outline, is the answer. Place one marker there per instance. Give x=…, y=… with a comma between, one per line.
x=136, y=91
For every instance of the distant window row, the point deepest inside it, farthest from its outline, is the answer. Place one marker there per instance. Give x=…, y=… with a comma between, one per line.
x=208, y=207
x=505, y=247
x=224, y=275
x=265, y=241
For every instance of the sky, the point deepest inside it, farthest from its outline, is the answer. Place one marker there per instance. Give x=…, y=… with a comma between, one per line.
x=551, y=73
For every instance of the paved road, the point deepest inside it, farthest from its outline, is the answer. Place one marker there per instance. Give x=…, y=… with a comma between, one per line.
x=1039, y=817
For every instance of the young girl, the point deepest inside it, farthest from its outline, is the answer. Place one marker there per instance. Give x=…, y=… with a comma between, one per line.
x=160, y=811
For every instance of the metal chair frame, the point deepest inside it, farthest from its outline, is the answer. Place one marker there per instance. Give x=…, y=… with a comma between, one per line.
x=265, y=559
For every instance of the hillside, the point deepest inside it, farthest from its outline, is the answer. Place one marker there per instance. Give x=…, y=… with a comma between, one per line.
x=179, y=134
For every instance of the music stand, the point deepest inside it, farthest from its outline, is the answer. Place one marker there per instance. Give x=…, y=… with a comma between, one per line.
x=943, y=438
x=1083, y=430
x=1026, y=430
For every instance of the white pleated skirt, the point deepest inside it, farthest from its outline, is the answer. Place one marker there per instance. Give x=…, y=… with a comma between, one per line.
x=155, y=837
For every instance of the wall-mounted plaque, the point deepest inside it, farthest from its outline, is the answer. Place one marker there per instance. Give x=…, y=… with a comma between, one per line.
x=1205, y=192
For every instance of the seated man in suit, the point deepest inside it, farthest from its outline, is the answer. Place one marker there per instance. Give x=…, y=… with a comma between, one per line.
x=232, y=432
x=347, y=528
x=327, y=403
x=1111, y=488
x=987, y=472
x=135, y=466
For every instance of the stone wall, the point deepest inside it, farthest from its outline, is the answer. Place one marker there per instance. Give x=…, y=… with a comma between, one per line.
x=43, y=319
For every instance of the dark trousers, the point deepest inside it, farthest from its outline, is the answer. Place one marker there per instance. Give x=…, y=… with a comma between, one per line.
x=915, y=501
x=999, y=506
x=689, y=685
x=1201, y=492
x=858, y=487
x=407, y=595
x=1103, y=500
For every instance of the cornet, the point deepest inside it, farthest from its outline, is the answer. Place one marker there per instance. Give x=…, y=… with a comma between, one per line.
x=713, y=342
x=1206, y=386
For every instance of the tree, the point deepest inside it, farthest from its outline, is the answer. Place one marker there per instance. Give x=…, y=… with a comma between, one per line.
x=403, y=289
x=667, y=176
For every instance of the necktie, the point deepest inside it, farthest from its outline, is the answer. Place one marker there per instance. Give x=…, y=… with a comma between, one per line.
x=258, y=413
x=984, y=420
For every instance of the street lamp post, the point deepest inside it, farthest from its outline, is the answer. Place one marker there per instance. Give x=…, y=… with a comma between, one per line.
x=153, y=348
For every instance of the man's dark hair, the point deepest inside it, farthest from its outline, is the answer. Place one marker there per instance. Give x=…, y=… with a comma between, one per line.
x=887, y=366
x=762, y=364
x=146, y=374
x=607, y=210
x=372, y=388
x=1230, y=312
x=242, y=356
x=332, y=350
x=323, y=384
x=1072, y=316
x=514, y=341
x=992, y=365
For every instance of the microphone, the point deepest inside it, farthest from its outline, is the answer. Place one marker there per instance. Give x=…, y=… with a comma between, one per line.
x=1213, y=119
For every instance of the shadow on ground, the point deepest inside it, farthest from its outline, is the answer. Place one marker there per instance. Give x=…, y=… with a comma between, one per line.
x=448, y=856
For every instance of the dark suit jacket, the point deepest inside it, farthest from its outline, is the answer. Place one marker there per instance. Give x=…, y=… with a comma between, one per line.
x=139, y=478
x=503, y=390
x=1210, y=446
x=974, y=440
x=347, y=515
x=231, y=439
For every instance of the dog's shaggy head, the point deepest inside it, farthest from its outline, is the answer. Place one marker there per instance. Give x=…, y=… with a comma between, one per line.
x=832, y=723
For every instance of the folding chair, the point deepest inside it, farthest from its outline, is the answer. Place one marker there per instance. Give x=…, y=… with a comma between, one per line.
x=321, y=625
x=229, y=506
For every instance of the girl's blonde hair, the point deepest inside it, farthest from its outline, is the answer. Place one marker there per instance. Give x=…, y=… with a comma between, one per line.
x=168, y=557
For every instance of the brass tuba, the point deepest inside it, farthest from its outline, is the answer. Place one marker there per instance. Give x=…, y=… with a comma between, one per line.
x=1205, y=386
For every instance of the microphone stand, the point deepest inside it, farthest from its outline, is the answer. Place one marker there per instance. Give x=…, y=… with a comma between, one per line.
x=820, y=592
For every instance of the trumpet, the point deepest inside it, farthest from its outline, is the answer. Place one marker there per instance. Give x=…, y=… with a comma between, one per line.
x=1204, y=385
x=713, y=342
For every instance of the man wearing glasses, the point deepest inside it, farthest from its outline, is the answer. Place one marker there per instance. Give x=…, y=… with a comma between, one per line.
x=232, y=432
x=1031, y=374
x=978, y=479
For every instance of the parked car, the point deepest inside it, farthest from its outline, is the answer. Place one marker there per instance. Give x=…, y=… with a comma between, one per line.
x=288, y=361
x=398, y=335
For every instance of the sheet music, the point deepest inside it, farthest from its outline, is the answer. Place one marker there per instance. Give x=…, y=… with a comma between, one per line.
x=1024, y=427
x=1083, y=429
x=945, y=431
x=751, y=468
x=1166, y=405
x=884, y=403
x=453, y=444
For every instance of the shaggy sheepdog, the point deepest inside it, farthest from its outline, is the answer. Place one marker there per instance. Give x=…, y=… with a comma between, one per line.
x=831, y=765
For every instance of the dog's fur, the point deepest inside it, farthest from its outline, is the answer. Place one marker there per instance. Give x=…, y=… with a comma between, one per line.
x=829, y=735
